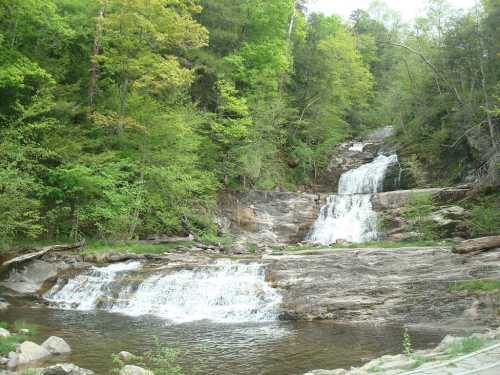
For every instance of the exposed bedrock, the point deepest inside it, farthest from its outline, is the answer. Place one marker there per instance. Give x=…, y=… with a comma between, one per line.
x=410, y=286
x=269, y=217
x=275, y=217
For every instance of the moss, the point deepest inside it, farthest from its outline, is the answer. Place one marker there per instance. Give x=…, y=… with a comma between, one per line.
x=8, y=343
x=488, y=286
x=95, y=247
x=466, y=346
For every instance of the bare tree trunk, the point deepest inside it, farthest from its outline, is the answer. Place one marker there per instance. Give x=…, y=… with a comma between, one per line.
x=96, y=49
x=487, y=107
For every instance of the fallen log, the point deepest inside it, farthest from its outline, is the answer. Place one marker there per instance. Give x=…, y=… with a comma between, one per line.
x=477, y=245
x=43, y=251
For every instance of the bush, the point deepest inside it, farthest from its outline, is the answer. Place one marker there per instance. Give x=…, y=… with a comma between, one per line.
x=161, y=360
x=417, y=211
x=485, y=216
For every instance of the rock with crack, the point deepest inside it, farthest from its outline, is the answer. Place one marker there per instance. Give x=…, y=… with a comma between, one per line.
x=56, y=345
x=26, y=353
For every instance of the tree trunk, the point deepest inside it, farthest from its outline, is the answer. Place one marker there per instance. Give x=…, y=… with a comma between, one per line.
x=96, y=49
x=477, y=245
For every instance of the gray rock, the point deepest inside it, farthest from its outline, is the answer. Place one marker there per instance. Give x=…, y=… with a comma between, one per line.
x=4, y=305
x=134, y=370
x=26, y=353
x=56, y=345
x=270, y=217
x=125, y=356
x=408, y=285
x=66, y=369
x=4, y=332
x=31, y=276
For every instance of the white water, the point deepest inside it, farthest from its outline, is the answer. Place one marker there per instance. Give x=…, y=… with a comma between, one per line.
x=349, y=216
x=224, y=291
x=84, y=292
x=359, y=147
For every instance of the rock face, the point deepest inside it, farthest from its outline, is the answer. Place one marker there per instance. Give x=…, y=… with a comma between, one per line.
x=274, y=217
x=353, y=154
x=32, y=275
x=384, y=286
x=56, y=345
x=134, y=370
x=4, y=332
x=270, y=217
x=26, y=353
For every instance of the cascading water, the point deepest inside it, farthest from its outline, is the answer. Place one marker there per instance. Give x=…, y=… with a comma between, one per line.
x=223, y=291
x=349, y=215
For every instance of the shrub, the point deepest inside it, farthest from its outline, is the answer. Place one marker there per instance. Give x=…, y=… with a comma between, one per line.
x=417, y=211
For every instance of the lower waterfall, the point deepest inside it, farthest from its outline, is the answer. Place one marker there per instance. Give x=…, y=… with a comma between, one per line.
x=223, y=291
x=349, y=216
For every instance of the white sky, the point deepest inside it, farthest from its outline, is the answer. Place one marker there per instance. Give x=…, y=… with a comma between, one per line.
x=408, y=8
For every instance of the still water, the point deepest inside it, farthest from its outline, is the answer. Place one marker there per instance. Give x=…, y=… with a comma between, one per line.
x=275, y=348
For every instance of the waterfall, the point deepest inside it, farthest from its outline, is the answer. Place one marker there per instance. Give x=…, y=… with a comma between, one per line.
x=224, y=291
x=349, y=215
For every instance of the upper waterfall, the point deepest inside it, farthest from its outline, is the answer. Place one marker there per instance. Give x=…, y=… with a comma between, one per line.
x=349, y=216
x=223, y=291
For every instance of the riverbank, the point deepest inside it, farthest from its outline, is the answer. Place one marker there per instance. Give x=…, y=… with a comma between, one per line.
x=454, y=355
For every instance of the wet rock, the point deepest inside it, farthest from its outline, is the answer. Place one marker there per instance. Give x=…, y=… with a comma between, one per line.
x=26, y=353
x=56, y=345
x=408, y=285
x=4, y=332
x=125, y=356
x=31, y=276
x=134, y=370
x=65, y=369
x=4, y=305
x=270, y=217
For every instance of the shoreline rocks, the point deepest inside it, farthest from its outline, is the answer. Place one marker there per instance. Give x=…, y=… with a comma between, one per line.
x=449, y=348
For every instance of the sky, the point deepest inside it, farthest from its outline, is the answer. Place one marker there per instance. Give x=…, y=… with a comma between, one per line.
x=408, y=8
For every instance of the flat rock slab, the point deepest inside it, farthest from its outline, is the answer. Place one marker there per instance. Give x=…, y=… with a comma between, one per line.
x=410, y=285
x=482, y=362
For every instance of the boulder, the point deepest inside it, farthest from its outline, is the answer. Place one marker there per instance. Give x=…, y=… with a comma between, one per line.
x=4, y=332
x=125, y=356
x=66, y=369
x=4, y=305
x=31, y=276
x=26, y=353
x=134, y=370
x=56, y=345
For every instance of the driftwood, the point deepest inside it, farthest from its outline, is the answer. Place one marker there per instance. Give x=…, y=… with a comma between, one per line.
x=477, y=245
x=157, y=240
x=43, y=251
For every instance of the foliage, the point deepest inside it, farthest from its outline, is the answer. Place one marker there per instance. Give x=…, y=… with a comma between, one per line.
x=26, y=328
x=466, y=346
x=485, y=215
x=407, y=346
x=489, y=286
x=161, y=360
x=96, y=247
x=417, y=211
x=8, y=343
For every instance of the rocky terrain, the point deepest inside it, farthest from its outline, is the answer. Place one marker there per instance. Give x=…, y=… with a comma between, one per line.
x=452, y=356
x=407, y=285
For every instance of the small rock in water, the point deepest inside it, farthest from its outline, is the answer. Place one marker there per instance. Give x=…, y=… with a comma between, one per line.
x=3, y=361
x=24, y=331
x=134, y=370
x=125, y=356
x=56, y=345
x=66, y=369
x=4, y=332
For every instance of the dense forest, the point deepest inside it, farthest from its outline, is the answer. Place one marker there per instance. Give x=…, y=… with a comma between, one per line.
x=120, y=119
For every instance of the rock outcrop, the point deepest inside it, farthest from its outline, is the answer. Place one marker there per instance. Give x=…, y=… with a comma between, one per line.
x=270, y=217
x=30, y=277
x=409, y=285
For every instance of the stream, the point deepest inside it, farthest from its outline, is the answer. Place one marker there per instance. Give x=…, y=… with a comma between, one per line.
x=272, y=348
